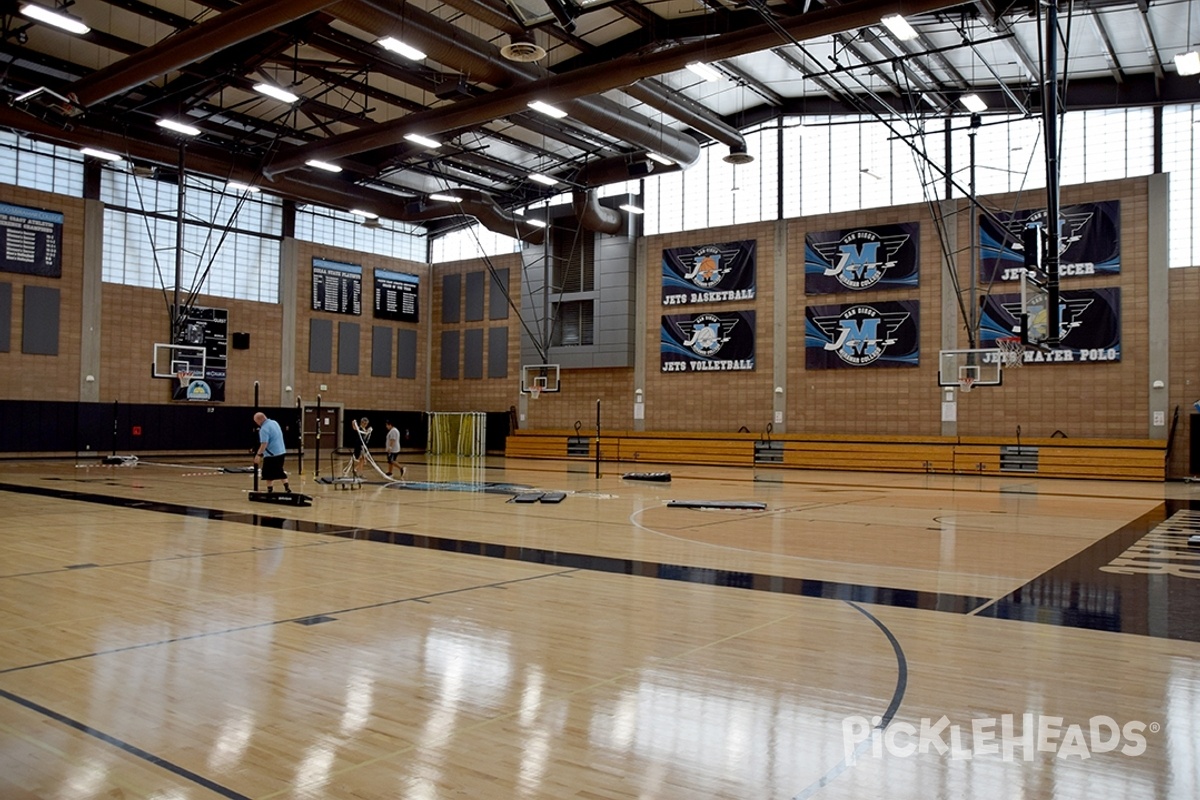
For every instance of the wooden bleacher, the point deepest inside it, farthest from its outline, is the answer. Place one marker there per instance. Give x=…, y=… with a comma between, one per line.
x=1109, y=459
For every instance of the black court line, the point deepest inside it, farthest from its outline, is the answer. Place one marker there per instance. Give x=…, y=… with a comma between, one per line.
x=885, y=720
x=126, y=747
x=776, y=584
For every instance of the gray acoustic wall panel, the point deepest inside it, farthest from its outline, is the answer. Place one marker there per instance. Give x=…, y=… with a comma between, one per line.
x=449, y=355
x=39, y=332
x=5, y=317
x=473, y=354
x=451, y=297
x=498, y=295
x=348, y=348
x=474, y=296
x=406, y=353
x=381, y=351
x=320, y=345
x=497, y=352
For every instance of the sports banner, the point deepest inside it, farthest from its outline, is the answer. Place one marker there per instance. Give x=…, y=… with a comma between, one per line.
x=862, y=335
x=1089, y=241
x=708, y=342
x=857, y=259
x=1089, y=325
x=711, y=273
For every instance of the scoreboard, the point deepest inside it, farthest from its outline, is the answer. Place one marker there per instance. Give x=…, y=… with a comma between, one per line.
x=336, y=287
x=396, y=296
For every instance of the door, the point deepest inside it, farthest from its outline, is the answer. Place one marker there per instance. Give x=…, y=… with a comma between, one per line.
x=329, y=426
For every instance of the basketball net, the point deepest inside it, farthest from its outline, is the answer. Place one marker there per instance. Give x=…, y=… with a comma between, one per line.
x=965, y=383
x=535, y=392
x=1012, y=351
x=185, y=379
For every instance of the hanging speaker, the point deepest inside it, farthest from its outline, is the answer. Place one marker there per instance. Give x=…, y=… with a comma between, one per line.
x=241, y=341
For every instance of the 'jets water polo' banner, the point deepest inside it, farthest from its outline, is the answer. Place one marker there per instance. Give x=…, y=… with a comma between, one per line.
x=708, y=342
x=1089, y=241
x=711, y=273
x=1089, y=325
x=857, y=259
x=862, y=335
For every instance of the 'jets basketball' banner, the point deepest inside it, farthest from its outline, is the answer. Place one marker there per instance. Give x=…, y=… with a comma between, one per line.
x=1089, y=241
x=708, y=342
x=852, y=260
x=862, y=335
x=711, y=273
x=1089, y=325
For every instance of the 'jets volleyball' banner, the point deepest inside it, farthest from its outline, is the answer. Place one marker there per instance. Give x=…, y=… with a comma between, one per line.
x=862, y=335
x=1089, y=241
x=1089, y=325
x=711, y=273
x=856, y=259
x=708, y=342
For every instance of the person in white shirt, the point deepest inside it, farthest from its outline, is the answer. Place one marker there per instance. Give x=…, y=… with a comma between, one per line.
x=392, y=445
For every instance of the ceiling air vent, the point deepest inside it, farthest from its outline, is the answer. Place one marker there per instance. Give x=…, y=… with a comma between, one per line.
x=523, y=49
x=738, y=155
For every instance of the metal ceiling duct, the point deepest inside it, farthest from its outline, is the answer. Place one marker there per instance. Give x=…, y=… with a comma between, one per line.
x=480, y=59
x=563, y=89
x=594, y=217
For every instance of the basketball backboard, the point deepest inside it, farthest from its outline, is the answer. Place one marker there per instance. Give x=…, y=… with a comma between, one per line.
x=544, y=378
x=978, y=367
x=172, y=359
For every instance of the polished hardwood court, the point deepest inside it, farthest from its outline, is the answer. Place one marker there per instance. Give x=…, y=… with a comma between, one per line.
x=859, y=635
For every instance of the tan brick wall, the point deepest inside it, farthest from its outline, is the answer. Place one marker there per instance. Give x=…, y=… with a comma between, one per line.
x=135, y=318
x=476, y=394
x=710, y=401
x=1081, y=400
x=1184, y=385
x=361, y=390
x=884, y=400
x=42, y=377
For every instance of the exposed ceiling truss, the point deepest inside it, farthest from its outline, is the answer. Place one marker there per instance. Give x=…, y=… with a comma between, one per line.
x=618, y=70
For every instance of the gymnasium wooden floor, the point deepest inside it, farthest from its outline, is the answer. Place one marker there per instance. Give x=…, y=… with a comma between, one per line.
x=862, y=636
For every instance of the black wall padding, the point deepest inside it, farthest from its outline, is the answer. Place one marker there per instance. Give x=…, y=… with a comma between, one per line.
x=48, y=427
x=39, y=333
x=451, y=297
x=474, y=297
x=473, y=353
x=5, y=317
x=498, y=295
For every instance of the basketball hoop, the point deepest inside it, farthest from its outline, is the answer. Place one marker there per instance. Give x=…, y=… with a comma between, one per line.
x=535, y=392
x=185, y=379
x=965, y=382
x=1012, y=351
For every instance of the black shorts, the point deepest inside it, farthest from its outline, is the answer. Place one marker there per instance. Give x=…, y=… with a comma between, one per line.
x=392, y=457
x=272, y=468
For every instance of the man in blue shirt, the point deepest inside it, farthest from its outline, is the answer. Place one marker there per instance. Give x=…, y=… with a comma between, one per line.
x=271, y=451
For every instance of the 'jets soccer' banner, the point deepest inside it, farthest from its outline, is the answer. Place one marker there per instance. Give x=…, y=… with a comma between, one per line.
x=856, y=259
x=1089, y=325
x=712, y=273
x=862, y=335
x=708, y=342
x=1089, y=241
